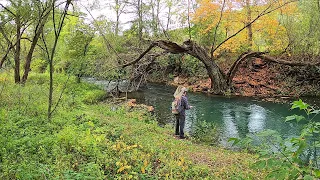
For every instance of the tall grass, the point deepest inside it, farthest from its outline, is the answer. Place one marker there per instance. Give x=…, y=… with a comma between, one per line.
x=90, y=139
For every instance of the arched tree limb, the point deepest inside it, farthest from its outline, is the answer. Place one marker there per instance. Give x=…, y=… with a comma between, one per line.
x=263, y=13
x=152, y=45
x=168, y=46
x=234, y=68
x=284, y=62
x=216, y=75
x=243, y=57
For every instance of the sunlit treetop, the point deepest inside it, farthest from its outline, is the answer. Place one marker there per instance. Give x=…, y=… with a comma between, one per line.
x=268, y=32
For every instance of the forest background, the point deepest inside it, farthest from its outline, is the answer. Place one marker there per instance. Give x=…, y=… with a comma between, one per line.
x=248, y=47
x=55, y=126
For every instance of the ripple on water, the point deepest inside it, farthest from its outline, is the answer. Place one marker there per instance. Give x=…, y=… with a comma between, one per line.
x=235, y=117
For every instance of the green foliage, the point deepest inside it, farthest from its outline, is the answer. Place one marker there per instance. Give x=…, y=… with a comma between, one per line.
x=184, y=65
x=94, y=96
x=303, y=29
x=192, y=66
x=95, y=140
x=39, y=65
x=84, y=141
x=294, y=157
x=205, y=132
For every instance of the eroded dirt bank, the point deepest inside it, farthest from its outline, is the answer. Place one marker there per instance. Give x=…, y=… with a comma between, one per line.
x=258, y=78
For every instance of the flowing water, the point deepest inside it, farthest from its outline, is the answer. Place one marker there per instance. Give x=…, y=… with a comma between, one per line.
x=235, y=117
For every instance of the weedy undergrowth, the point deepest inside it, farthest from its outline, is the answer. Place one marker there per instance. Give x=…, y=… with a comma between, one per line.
x=291, y=158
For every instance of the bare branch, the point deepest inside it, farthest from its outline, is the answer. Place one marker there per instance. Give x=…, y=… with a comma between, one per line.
x=152, y=45
x=236, y=64
x=102, y=34
x=46, y=50
x=263, y=13
x=7, y=9
x=5, y=36
x=60, y=97
x=265, y=57
x=216, y=29
x=5, y=56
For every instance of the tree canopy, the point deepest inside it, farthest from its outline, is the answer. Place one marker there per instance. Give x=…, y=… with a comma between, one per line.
x=100, y=46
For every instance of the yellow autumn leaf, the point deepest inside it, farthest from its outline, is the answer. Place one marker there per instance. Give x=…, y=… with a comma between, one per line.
x=134, y=146
x=117, y=163
x=121, y=169
x=143, y=170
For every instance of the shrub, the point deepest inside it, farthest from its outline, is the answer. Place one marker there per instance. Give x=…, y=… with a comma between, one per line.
x=94, y=96
x=205, y=132
x=39, y=65
x=291, y=158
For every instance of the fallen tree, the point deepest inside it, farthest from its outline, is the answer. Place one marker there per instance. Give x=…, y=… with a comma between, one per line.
x=217, y=77
x=220, y=81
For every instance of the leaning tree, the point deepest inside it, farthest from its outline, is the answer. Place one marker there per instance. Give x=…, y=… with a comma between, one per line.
x=220, y=81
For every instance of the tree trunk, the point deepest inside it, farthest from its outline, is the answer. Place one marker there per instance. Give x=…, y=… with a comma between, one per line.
x=217, y=77
x=57, y=31
x=168, y=18
x=249, y=26
x=218, y=80
x=140, y=20
x=17, y=52
x=118, y=17
x=34, y=42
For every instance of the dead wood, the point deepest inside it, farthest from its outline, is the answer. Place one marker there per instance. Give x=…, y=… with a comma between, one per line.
x=216, y=75
x=220, y=81
x=262, y=55
x=234, y=68
x=284, y=62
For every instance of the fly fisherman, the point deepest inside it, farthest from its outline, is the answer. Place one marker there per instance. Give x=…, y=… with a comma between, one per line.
x=180, y=107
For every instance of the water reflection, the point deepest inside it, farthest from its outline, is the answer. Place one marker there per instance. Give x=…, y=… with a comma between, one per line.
x=231, y=129
x=256, y=119
x=235, y=117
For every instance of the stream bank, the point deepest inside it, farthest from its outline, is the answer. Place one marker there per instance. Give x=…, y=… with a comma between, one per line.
x=256, y=78
x=86, y=139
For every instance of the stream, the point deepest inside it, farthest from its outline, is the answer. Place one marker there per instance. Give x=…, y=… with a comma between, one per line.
x=234, y=116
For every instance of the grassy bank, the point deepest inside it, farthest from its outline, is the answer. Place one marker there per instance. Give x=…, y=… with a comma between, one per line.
x=90, y=139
